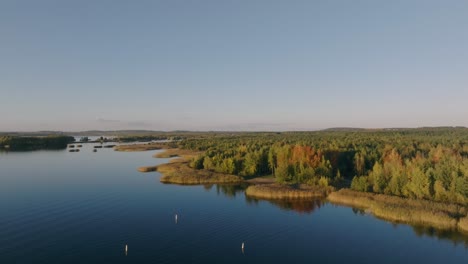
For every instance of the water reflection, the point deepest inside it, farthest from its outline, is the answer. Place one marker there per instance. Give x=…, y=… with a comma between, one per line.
x=358, y=211
x=450, y=235
x=299, y=206
x=52, y=150
x=230, y=190
x=309, y=206
x=89, y=206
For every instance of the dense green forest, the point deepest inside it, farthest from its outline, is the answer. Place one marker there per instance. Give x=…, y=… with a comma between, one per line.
x=426, y=163
x=15, y=143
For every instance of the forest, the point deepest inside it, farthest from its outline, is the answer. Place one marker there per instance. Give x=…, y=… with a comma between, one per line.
x=20, y=143
x=424, y=163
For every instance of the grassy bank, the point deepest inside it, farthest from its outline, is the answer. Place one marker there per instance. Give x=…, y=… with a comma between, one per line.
x=278, y=191
x=175, y=152
x=262, y=180
x=463, y=224
x=178, y=171
x=420, y=212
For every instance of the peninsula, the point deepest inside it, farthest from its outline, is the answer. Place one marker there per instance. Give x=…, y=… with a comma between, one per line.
x=415, y=176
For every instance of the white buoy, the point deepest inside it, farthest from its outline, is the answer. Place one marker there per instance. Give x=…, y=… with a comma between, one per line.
x=176, y=218
x=126, y=249
x=242, y=245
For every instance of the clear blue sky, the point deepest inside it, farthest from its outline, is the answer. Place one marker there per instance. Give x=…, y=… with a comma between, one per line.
x=232, y=65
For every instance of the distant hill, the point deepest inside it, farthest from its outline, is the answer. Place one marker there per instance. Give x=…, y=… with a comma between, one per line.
x=153, y=132
x=350, y=129
x=356, y=129
x=83, y=133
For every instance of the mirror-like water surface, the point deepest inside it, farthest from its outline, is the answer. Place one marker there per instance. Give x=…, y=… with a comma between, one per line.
x=84, y=207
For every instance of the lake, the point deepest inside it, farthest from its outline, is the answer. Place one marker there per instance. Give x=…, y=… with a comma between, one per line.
x=84, y=207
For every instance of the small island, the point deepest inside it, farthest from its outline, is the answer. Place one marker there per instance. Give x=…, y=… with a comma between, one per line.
x=25, y=143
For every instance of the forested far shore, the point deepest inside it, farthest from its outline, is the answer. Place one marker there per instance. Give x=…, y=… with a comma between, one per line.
x=21, y=143
x=430, y=164
x=425, y=163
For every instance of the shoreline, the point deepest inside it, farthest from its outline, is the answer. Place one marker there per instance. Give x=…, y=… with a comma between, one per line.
x=177, y=170
x=276, y=191
x=443, y=216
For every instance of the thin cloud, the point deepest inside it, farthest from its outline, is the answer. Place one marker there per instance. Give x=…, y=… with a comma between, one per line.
x=103, y=120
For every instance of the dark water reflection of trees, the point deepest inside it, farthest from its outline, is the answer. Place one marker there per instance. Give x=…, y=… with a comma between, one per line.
x=229, y=190
x=299, y=206
x=309, y=206
x=232, y=190
x=453, y=236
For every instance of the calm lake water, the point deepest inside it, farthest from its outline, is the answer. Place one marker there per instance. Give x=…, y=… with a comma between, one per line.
x=84, y=207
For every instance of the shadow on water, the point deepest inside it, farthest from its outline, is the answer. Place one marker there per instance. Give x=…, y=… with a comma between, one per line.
x=231, y=190
x=299, y=206
x=309, y=206
x=52, y=150
x=453, y=236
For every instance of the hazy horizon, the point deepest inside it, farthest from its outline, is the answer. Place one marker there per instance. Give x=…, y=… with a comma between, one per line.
x=227, y=131
x=232, y=66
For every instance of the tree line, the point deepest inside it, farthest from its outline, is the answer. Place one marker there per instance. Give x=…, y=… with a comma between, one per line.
x=429, y=163
x=33, y=143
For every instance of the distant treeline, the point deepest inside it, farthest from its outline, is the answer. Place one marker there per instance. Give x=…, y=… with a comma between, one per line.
x=430, y=163
x=34, y=143
x=146, y=138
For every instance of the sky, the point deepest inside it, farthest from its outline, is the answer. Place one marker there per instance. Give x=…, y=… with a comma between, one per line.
x=232, y=65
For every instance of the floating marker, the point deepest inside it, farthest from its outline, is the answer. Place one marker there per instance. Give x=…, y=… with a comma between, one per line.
x=176, y=218
x=126, y=249
x=242, y=245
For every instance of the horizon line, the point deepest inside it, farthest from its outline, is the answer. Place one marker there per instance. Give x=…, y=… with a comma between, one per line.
x=229, y=131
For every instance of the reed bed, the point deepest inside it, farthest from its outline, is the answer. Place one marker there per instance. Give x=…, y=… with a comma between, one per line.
x=438, y=215
x=463, y=224
x=278, y=191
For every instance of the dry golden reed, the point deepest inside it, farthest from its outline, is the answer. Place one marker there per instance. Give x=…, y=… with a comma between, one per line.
x=439, y=215
x=278, y=191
